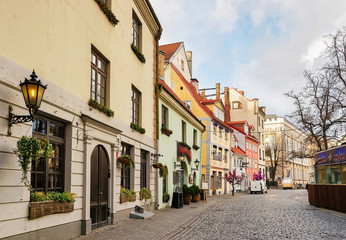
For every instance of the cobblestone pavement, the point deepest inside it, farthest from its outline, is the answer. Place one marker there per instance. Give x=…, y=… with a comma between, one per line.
x=277, y=215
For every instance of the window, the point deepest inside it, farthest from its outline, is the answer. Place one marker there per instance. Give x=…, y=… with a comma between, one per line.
x=219, y=184
x=143, y=169
x=125, y=171
x=220, y=154
x=236, y=105
x=194, y=137
x=135, y=100
x=220, y=132
x=164, y=116
x=136, y=31
x=226, y=155
x=183, y=129
x=98, y=78
x=214, y=128
x=49, y=175
x=188, y=104
x=219, y=113
x=182, y=65
x=226, y=135
x=215, y=155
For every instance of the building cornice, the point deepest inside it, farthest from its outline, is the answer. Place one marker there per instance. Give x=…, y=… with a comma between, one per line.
x=149, y=16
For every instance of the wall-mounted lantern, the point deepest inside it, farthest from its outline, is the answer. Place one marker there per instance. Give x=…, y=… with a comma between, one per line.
x=196, y=164
x=32, y=91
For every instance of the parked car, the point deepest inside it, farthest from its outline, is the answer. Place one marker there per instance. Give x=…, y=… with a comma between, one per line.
x=258, y=187
x=287, y=183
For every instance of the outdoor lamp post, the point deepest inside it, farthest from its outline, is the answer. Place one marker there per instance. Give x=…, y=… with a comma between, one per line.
x=196, y=164
x=180, y=159
x=32, y=91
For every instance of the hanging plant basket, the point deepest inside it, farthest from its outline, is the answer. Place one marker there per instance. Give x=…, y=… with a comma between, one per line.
x=126, y=160
x=156, y=165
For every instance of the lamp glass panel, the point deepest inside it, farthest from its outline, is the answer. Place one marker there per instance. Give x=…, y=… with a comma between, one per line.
x=25, y=94
x=40, y=95
x=32, y=90
x=197, y=163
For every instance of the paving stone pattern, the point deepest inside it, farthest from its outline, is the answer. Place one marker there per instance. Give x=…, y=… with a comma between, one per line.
x=280, y=214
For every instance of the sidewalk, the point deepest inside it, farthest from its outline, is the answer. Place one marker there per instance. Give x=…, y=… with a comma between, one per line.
x=165, y=224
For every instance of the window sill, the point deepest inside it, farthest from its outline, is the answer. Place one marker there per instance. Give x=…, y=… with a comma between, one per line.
x=101, y=108
x=137, y=128
x=139, y=55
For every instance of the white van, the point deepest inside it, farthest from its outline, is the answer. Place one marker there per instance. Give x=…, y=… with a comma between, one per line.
x=258, y=186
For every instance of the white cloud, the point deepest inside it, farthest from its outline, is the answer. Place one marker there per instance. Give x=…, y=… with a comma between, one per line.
x=260, y=46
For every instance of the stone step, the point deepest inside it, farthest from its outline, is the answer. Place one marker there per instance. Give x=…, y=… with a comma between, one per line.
x=144, y=215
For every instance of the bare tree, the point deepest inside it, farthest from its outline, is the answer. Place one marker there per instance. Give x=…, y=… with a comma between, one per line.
x=275, y=150
x=320, y=107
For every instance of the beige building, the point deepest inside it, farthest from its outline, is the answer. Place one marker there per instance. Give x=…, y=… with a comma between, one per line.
x=244, y=109
x=85, y=57
x=286, y=139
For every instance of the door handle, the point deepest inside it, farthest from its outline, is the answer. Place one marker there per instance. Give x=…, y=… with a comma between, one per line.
x=100, y=193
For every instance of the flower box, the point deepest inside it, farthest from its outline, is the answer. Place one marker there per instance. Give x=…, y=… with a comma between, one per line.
x=125, y=198
x=40, y=209
x=123, y=160
x=166, y=131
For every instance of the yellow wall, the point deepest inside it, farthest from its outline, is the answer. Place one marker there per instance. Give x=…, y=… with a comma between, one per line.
x=55, y=38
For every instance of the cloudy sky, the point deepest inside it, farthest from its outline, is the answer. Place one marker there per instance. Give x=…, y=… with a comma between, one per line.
x=259, y=46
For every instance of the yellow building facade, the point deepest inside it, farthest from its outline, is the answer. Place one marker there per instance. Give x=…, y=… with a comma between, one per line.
x=95, y=109
x=216, y=144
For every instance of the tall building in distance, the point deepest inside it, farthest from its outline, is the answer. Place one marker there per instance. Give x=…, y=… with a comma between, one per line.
x=244, y=109
x=285, y=141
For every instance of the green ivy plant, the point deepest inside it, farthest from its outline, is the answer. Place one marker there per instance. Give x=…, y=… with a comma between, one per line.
x=30, y=150
x=163, y=171
x=139, y=55
x=101, y=108
x=110, y=15
x=194, y=146
x=137, y=128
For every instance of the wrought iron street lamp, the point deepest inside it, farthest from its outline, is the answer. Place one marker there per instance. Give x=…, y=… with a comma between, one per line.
x=32, y=91
x=196, y=164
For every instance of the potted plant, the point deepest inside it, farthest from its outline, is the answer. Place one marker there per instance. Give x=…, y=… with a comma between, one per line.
x=165, y=197
x=126, y=160
x=187, y=194
x=145, y=194
x=156, y=165
x=30, y=150
x=51, y=203
x=195, y=193
x=127, y=195
x=194, y=146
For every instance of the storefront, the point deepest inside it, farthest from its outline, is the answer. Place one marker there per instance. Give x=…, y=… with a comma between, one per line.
x=330, y=173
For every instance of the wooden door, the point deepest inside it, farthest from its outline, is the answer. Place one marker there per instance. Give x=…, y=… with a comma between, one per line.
x=212, y=185
x=99, y=187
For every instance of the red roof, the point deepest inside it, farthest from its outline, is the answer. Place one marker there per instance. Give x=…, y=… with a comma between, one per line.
x=198, y=97
x=169, y=49
x=170, y=91
x=236, y=122
x=238, y=150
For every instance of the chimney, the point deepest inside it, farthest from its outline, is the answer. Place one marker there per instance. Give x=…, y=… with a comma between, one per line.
x=256, y=105
x=227, y=105
x=203, y=94
x=189, y=60
x=162, y=64
x=194, y=83
x=241, y=92
x=217, y=90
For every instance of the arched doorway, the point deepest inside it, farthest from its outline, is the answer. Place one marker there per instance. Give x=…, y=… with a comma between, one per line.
x=99, y=187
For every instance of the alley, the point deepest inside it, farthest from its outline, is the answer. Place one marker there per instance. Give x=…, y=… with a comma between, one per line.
x=276, y=215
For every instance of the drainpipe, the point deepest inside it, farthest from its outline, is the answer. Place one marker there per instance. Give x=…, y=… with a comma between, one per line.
x=157, y=93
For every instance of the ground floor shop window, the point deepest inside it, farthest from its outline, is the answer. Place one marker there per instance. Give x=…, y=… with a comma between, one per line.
x=125, y=181
x=49, y=175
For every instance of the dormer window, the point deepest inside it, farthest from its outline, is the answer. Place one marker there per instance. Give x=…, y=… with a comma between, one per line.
x=237, y=105
x=218, y=113
x=188, y=104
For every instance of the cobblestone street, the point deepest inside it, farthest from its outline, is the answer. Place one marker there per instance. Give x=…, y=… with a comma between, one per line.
x=277, y=215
